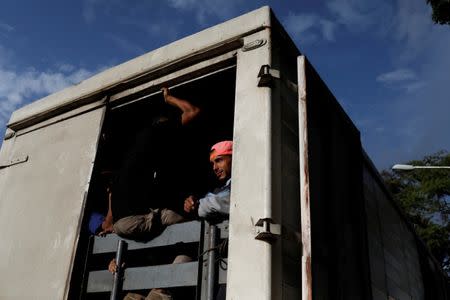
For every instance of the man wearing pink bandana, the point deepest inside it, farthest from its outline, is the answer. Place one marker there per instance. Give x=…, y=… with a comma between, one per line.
x=215, y=205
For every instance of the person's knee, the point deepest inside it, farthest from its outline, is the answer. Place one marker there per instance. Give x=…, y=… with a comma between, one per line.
x=133, y=296
x=169, y=217
x=119, y=227
x=127, y=226
x=181, y=259
x=142, y=227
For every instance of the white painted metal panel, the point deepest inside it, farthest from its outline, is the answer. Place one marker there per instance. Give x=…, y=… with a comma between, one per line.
x=41, y=206
x=152, y=61
x=249, y=272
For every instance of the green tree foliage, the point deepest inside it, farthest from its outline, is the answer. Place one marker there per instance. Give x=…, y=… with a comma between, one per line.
x=424, y=195
x=441, y=11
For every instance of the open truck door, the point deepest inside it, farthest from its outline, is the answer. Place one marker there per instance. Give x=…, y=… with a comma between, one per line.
x=334, y=235
x=304, y=182
x=44, y=177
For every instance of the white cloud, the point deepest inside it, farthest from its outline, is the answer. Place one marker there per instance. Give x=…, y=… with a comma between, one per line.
x=429, y=104
x=406, y=22
x=91, y=7
x=415, y=86
x=183, y=4
x=200, y=10
x=411, y=117
x=65, y=67
x=399, y=75
x=161, y=28
x=5, y=56
x=328, y=29
x=89, y=10
x=6, y=27
x=414, y=28
x=308, y=28
x=360, y=15
x=349, y=12
x=405, y=79
x=203, y=9
x=417, y=119
x=126, y=45
x=17, y=87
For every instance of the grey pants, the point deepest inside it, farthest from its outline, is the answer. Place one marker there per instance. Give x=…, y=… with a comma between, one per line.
x=146, y=227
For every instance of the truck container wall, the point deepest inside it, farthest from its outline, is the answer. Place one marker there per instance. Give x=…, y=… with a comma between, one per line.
x=309, y=217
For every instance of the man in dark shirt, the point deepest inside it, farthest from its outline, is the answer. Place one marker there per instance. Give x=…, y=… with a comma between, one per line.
x=148, y=179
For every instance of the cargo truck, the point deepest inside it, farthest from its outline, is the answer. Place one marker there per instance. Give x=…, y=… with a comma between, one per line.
x=310, y=217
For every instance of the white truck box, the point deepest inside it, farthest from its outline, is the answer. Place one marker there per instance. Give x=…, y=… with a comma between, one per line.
x=298, y=171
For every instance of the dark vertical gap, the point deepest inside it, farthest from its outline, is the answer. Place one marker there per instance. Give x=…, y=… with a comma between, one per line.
x=198, y=288
x=285, y=162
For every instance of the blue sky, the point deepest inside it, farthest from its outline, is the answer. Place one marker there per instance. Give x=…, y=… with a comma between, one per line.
x=385, y=61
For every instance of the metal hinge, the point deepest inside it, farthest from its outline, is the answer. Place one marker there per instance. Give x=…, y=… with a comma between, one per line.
x=15, y=161
x=267, y=76
x=267, y=230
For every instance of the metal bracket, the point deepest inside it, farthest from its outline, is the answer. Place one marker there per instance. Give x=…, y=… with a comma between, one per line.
x=15, y=161
x=266, y=76
x=267, y=230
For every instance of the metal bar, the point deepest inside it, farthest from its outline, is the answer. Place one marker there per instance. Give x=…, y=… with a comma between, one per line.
x=145, y=278
x=211, y=262
x=85, y=278
x=203, y=260
x=156, y=84
x=412, y=167
x=431, y=167
x=117, y=284
x=223, y=273
x=188, y=232
x=201, y=247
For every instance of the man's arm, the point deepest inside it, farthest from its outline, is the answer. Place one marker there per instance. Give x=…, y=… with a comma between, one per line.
x=107, y=224
x=210, y=206
x=214, y=204
x=189, y=111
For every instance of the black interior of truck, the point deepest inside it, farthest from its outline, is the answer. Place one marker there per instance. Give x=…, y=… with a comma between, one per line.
x=214, y=95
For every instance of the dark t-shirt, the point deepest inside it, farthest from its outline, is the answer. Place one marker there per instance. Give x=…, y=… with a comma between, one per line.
x=166, y=163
